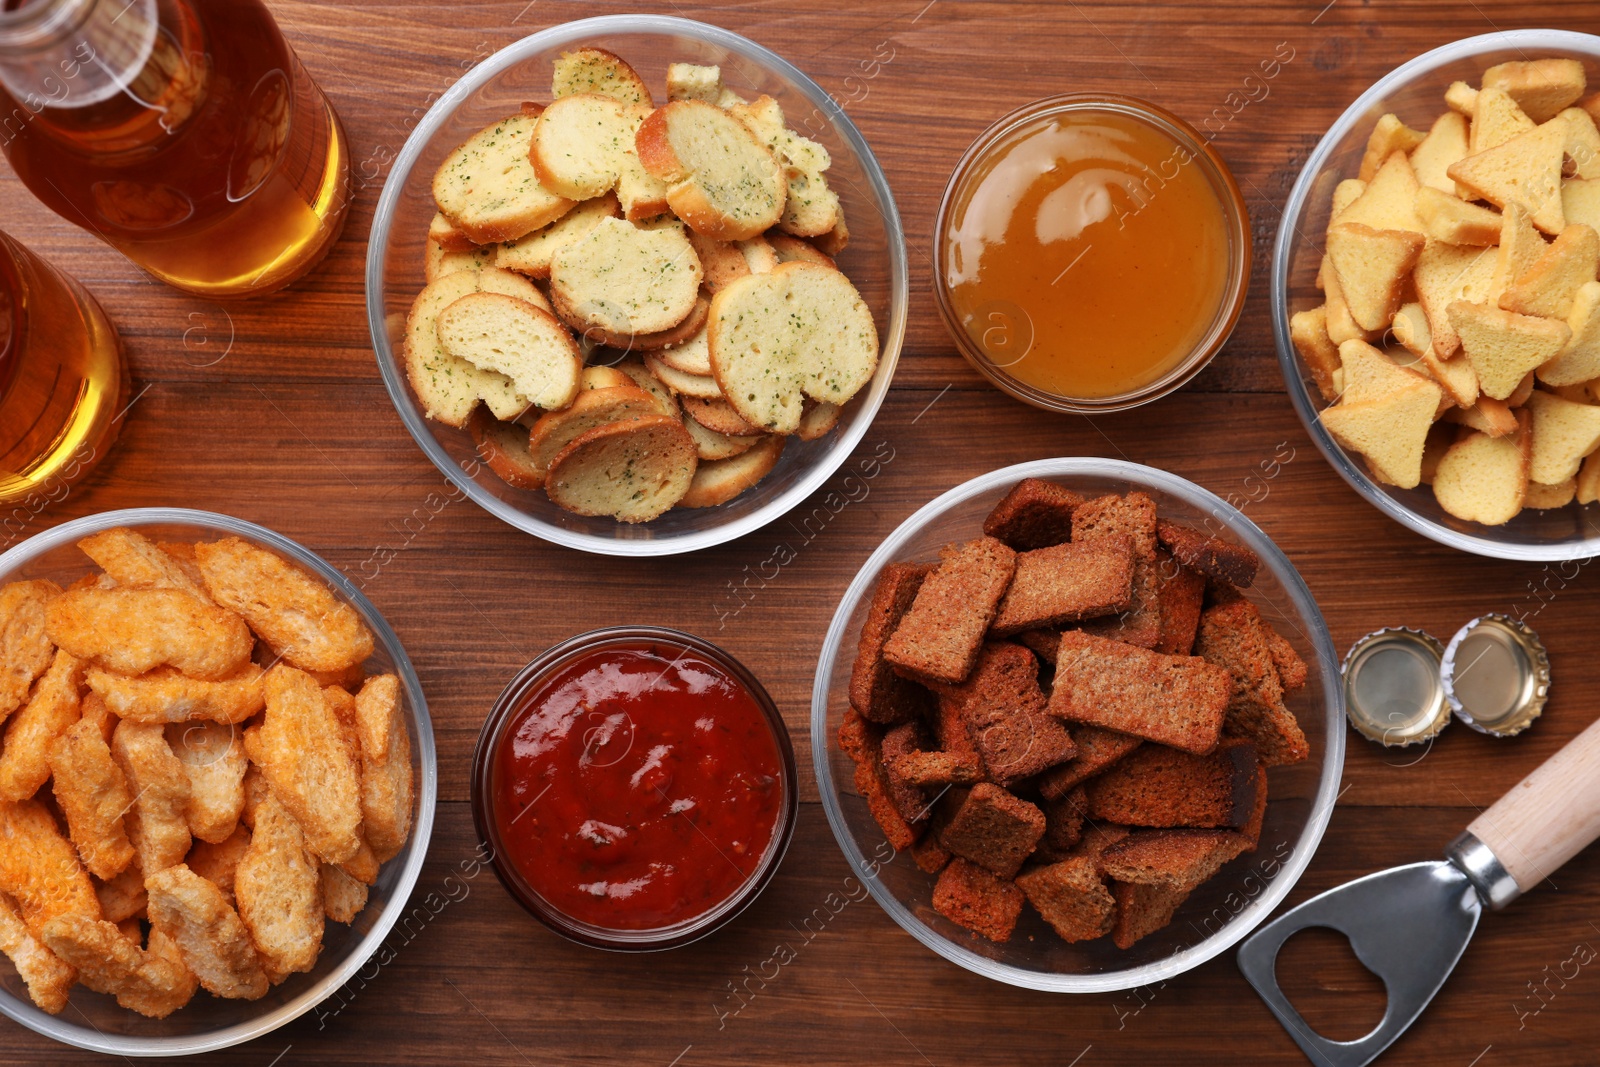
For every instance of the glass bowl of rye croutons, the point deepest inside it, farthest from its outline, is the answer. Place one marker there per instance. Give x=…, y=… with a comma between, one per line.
x=1078, y=725
x=217, y=783
x=636, y=285
x=1436, y=291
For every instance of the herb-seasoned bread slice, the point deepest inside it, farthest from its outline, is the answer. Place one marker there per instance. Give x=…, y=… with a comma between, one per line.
x=632, y=471
x=810, y=208
x=691, y=357
x=688, y=81
x=555, y=430
x=718, y=415
x=504, y=447
x=713, y=446
x=758, y=253
x=642, y=194
x=721, y=480
x=442, y=232
x=721, y=179
x=580, y=145
x=488, y=188
x=447, y=387
x=439, y=261
x=625, y=280
x=594, y=70
x=800, y=330
x=818, y=420
x=684, y=384
x=722, y=261
x=531, y=255
x=513, y=337
x=788, y=247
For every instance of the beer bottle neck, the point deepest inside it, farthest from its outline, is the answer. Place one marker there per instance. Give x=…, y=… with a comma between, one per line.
x=73, y=53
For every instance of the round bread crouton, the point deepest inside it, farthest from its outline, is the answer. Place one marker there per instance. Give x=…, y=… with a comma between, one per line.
x=632, y=471
x=635, y=369
x=799, y=331
x=691, y=357
x=719, y=482
x=713, y=446
x=621, y=281
x=503, y=446
x=718, y=415
x=594, y=407
x=818, y=420
x=581, y=144
x=513, y=337
x=487, y=188
x=595, y=70
x=696, y=385
x=720, y=178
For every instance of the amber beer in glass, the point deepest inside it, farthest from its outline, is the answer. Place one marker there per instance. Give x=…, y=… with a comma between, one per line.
x=183, y=132
x=63, y=386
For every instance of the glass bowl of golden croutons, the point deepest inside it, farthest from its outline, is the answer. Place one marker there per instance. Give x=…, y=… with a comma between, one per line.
x=636, y=285
x=1435, y=295
x=217, y=782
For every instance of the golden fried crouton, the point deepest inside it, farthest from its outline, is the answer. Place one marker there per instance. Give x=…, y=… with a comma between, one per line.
x=208, y=932
x=166, y=695
x=213, y=757
x=39, y=868
x=93, y=795
x=363, y=866
x=134, y=630
x=25, y=761
x=150, y=982
x=217, y=863
x=278, y=886
x=123, y=897
x=133, y=560
x=48, y=977
x=302, y=751
x=343, y=897
x=293, y=612
x=158, y=824
x=386, y=772
x=25, y=649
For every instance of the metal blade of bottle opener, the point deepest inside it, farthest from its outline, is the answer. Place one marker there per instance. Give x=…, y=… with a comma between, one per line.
x=1408, y=925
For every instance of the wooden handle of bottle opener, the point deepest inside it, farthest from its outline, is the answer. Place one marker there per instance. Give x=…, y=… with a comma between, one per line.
x=1548, y=817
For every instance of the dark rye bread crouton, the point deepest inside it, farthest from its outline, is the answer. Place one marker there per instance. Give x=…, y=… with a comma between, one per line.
x=1097, y=750
x=939, y=638
x=994, y=829
x=874, y=788
x=858, y=738
x=951, y=729
x=899, y=741
x=1162, y=787
x=1176, y=859
x=1097, y=837
x=930, y=856
x=1211, y=556
x=1292, y=669
x=1004, y=712
x=1067, y=583
x=1141, y=910
x=1072, y=898
x=925, y=769
x=1109, y=518
x=1181, y=593
x=972, y=897
x=1035, y=514
x=1176, y=700
x=1043, y=643
x=1234, y=637
x=1063, y=825
x=1251, y=830
x=875, y=690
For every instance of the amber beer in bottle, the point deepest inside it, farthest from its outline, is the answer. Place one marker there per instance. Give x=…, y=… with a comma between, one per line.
x=63, y=386
x=183, y=132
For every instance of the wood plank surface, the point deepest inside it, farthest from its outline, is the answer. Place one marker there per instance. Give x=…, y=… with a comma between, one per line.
x=273, y=411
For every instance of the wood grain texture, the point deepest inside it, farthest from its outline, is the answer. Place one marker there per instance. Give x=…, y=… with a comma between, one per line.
x=273, y=411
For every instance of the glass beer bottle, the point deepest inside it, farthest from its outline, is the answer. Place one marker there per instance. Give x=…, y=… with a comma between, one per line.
x=63, y=385
x=183, y=132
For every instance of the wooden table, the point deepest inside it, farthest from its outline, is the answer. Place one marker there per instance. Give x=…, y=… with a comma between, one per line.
x=273, y=411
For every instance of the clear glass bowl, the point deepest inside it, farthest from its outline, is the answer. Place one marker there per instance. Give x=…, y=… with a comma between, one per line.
x=1415, y=92
x=875, y=261
x=1221, y=911
x=1235, y=216
x=93, y=1021
x=486, y=787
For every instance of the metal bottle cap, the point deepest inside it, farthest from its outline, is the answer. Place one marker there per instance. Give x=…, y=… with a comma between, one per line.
x=1392, y=690
x=1496, y=675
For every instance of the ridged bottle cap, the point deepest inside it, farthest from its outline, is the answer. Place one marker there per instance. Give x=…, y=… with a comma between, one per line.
x=1392, y=687
x=1496, y=675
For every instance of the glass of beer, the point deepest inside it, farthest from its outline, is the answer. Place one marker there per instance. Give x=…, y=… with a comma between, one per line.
x=183, y=132
x=63, y=386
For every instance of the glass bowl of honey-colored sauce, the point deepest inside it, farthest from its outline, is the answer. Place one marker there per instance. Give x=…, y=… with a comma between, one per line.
x=1094, y=253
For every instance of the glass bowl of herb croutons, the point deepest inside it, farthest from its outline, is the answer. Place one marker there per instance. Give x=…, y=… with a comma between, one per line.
x=1078, y=725
x=217, y=788
x=1436, y=294
x=636, y=285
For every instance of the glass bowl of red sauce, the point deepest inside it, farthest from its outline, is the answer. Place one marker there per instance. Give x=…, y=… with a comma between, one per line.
x=637, y=787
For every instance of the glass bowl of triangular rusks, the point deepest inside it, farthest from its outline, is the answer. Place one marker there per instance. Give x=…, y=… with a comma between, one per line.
x=1078, y=725
x=1436, y=287
x=217, y=784
x=636, y=285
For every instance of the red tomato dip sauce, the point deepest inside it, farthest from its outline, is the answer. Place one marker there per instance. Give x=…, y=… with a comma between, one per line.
x=638, y=787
